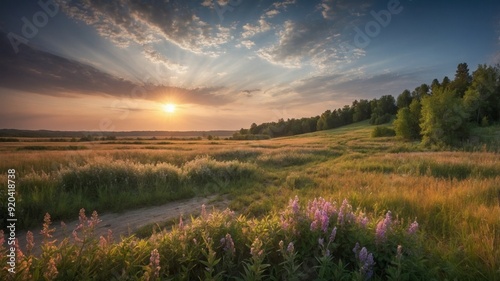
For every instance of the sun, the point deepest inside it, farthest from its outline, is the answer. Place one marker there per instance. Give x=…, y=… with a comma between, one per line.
x=169, y=108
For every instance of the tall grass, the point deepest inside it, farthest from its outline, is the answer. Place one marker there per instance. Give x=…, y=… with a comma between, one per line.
x=122, y=184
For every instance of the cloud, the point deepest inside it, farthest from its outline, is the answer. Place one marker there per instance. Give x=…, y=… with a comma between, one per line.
x=248, y=93
x=36, y=71
x=247, y=43
x=155, y=56
x=271, y=13
x=251, y=30
x=283, y=4
x=144, y=22
x=318, y=41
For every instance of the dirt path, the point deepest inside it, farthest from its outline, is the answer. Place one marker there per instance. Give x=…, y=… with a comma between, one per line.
x=125, y=224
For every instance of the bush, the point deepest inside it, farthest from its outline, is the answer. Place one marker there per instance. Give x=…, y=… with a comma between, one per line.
x=381, y=131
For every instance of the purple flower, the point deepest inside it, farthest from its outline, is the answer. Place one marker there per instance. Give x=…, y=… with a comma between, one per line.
x=294, y=205
x=413, y=228
x=228, y=244
x=382, y=227
x=290, y=248
x=365, y=260
x=363, y=254
x=325, y=220
x=333, y=234
x=356, y=249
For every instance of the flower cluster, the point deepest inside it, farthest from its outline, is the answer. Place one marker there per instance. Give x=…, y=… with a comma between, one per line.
x=365, y=260
x=413, y=228
x=228, y=244
x=154, y=262
x=383, y=227
x=319, y=211
x=345, y=213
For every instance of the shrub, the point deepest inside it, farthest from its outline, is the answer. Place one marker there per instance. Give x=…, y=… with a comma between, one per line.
x=381, y=131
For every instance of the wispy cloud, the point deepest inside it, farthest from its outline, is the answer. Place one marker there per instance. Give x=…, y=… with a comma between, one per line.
x=318, y=42
x=126, y=22
x=36, y=71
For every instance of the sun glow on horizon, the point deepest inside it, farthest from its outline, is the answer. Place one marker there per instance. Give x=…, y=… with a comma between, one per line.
x=169, y=107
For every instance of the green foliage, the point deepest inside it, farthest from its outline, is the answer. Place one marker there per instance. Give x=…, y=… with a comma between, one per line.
x=404, y=99
x=407, y=121
x=382, y=131
x=444, y=119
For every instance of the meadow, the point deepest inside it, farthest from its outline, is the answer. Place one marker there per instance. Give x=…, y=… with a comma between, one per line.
x=330, y=205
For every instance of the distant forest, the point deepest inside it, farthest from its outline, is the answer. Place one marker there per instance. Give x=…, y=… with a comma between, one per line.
x=13, y=133
x=440, y=113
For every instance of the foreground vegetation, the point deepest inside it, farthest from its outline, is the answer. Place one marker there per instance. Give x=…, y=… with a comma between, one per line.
x=387, y=184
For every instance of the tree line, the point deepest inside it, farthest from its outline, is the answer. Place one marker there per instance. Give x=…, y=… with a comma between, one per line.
x=440, y=113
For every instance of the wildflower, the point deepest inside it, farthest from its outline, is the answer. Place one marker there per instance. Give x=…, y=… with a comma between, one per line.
x=382, y=227
x=325, y=220
x=399, y=253
x=181, y=223
x=228, y=244
x=333, y=234
x=51, y=272
x=203, y=212
x=82, y=217
x=362, y=220
x=321, y=242
x=365, y=260
x=109, y=238
x=290, y=248
x=30, y=242
x=255, y=249
x=46, y=231
x=345, y=213
x=413, y=228
x=314, y=225
x=154, y=262
x=294, y=205
x=76, y=237
x=102, y=242
x=356, y=249
x=94, y=220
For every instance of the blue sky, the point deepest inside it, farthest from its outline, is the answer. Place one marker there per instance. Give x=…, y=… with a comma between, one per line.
x=112, y=65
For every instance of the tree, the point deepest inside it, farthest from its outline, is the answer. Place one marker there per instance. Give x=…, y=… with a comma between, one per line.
x=382, y=109
x=404, y=99
x=482, y=98
x=407, y=121
x=402, y=124
x=322, y=123
x=462, y=79
x=362, y=111
x=443, y=118
x=435, y=85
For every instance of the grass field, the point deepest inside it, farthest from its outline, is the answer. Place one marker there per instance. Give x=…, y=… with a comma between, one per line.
x=453, y=195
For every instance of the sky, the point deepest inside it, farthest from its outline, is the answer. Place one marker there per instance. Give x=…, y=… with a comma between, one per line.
x=97, y=65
